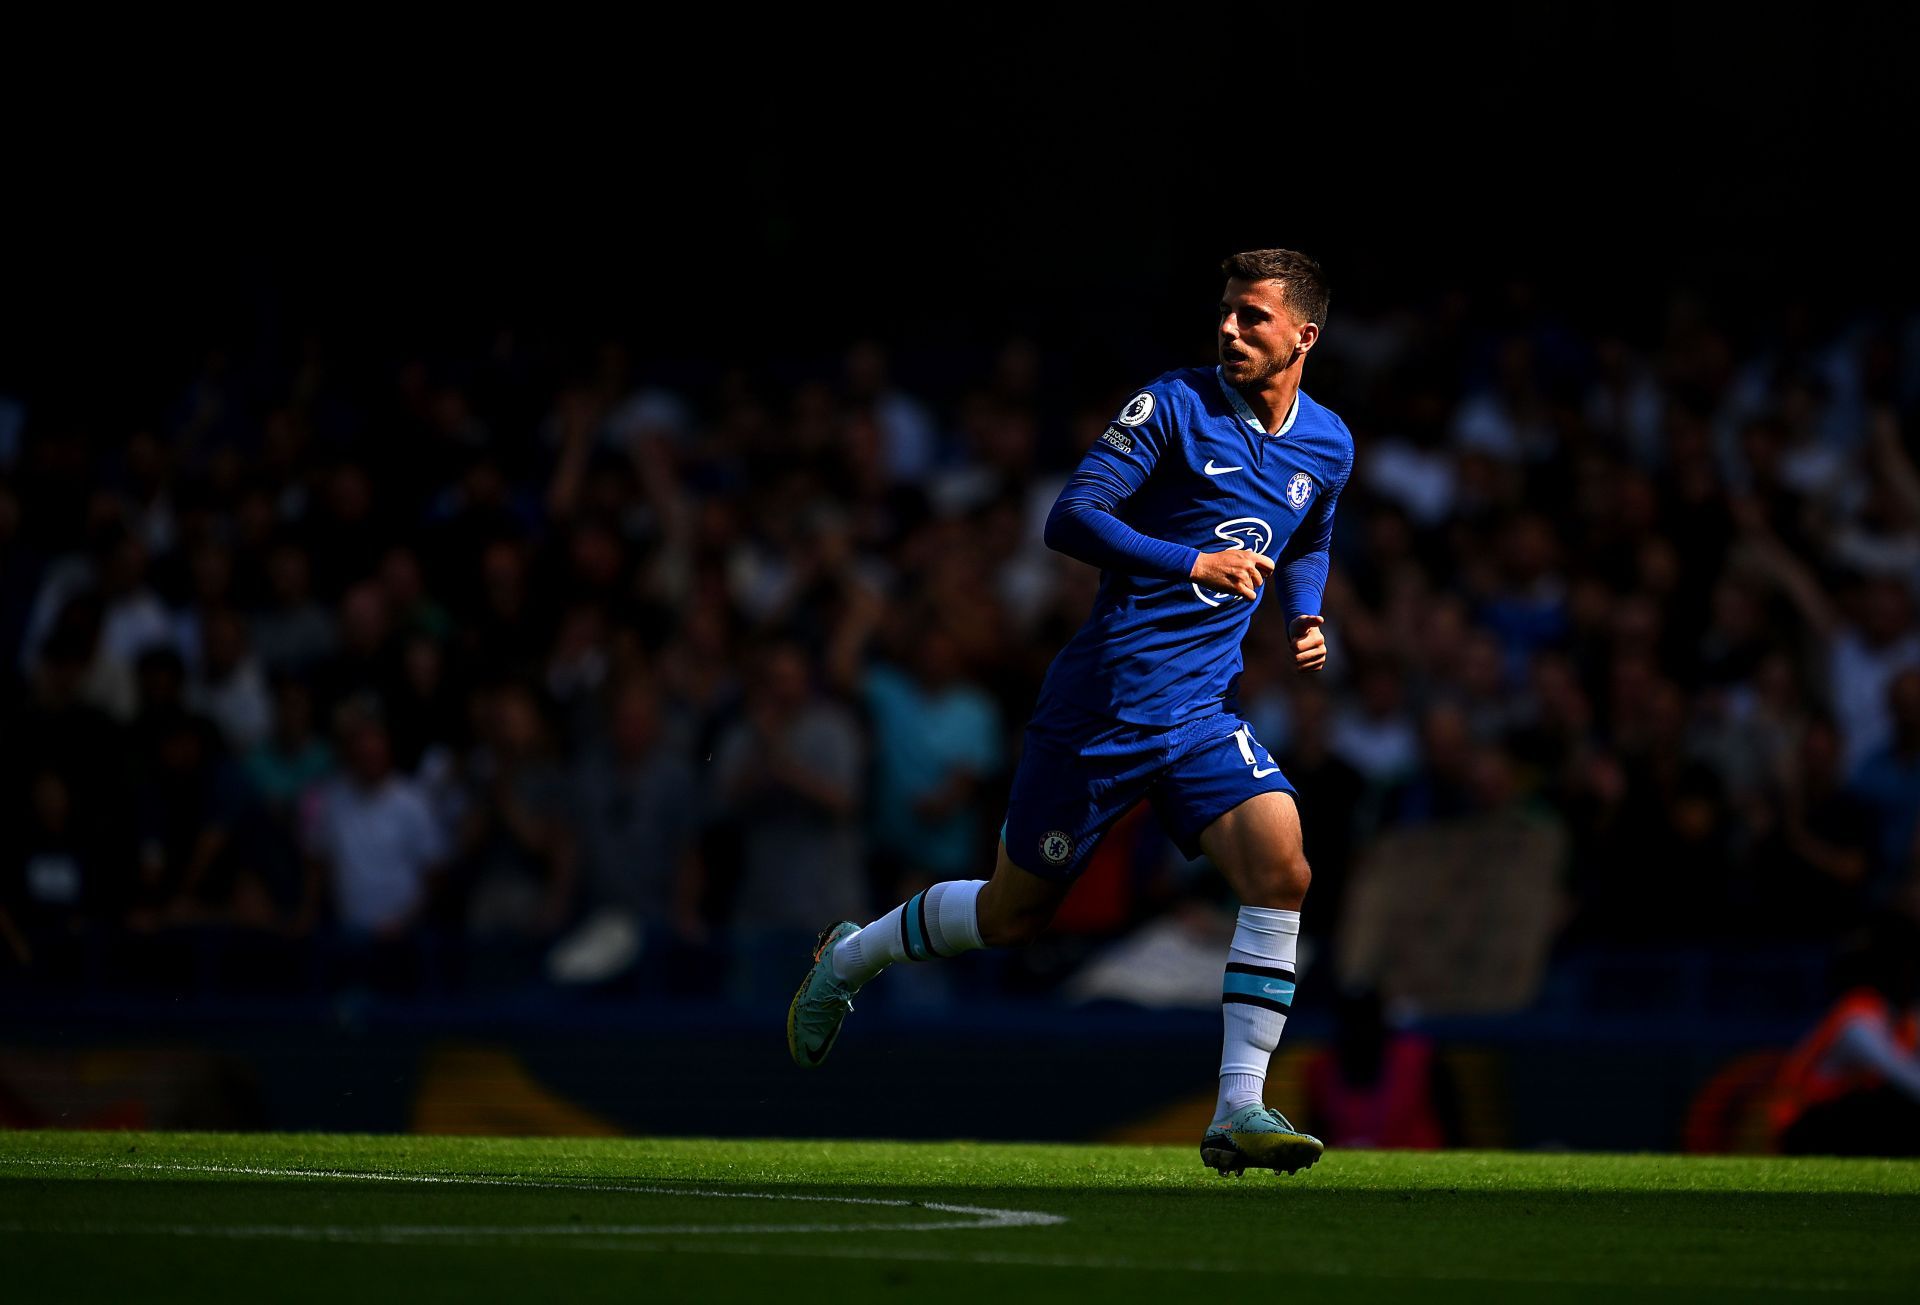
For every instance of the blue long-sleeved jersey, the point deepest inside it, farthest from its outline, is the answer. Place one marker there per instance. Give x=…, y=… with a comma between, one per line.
x=1187, y=468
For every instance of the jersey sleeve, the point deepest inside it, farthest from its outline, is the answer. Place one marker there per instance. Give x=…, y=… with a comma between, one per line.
x=1085, y=522
x=1304, y=563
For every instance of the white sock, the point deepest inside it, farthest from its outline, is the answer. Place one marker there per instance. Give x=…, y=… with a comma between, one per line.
x=942, y=921
x=1255, y=995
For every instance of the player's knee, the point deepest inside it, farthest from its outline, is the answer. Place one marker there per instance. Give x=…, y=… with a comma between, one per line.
x=1285, y=881
x=1295, y=878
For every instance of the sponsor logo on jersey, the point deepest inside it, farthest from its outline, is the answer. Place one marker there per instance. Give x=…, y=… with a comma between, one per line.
x=1056, y=847
x=1138, y=409
x=1118, y=438
x=1299, y=488
x=1241, y=532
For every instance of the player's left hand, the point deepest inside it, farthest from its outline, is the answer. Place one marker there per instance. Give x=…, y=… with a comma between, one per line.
x=1309, y=645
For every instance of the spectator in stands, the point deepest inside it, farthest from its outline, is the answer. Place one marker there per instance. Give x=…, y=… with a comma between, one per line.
x=909, y=439
x=295, y=632
x=54, y=880
x=508, y=632
x=1888, y=782
x=188, y=804
x=1869, y=637
x=344, y=518
x=578, y=667
x=293, y=757
x=21, y=568
x=518, y=851
x=209, y=582
x=134, y=619
x=1737, y=639
x=1374, y=735
x=480, y=509
x=57, y=730
x=1553, y=732
x=787, y=779
x=101, y=594
x=936, y=738
x=1882, y=537
x=1441, y=787
x=229, y=686
x=414, y=610
x=1331, y=797
x=637, y=810
x=367, y=662
x=427, y=707
x=1817, y=849
x=1526, y=610
x=375, y=850
x=936, y=742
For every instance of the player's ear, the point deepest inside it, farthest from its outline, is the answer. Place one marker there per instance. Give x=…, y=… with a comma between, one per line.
x=1309, y=332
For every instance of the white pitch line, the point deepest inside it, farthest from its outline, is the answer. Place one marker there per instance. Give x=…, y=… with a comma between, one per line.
x=975, y=1216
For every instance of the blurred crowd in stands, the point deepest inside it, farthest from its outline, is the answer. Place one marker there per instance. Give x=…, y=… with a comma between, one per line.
x=540, y=663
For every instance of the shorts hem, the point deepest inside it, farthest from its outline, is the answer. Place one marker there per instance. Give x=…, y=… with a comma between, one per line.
x=1189, y=841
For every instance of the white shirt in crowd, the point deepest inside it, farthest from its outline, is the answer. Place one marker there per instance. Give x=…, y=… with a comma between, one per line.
x=241, y=705
x=1858, y=677
x=379, y=845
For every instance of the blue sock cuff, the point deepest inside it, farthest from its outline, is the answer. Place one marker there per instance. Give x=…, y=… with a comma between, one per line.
x=914, y=939
x=1268, y=986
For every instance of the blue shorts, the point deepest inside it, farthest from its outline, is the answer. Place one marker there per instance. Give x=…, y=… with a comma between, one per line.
x=1080, y=772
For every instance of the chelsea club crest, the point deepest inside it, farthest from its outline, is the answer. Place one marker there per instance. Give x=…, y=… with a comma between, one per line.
x=1299, y=488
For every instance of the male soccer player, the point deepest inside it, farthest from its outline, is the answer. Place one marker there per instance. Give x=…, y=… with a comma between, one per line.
x=1209, y=483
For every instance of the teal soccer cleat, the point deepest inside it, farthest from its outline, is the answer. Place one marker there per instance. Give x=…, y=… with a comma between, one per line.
x=1258, y=1137
x=814, y=1018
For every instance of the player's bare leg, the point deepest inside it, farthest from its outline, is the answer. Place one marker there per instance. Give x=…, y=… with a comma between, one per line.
x=1258, y=848
x=956, y=916
x=1016, y=906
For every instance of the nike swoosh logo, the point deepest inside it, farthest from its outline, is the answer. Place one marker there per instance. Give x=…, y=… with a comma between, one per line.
x=1273, y=990
x=1262, y=774
x=814, y=1055
x=1212, y=470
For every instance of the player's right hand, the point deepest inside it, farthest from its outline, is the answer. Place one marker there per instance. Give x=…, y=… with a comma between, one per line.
x=1235, y=570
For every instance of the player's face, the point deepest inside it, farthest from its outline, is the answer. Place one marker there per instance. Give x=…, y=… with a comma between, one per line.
x=1259, y=337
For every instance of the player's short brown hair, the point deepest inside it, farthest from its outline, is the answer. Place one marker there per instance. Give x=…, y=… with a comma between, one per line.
x=1306, y=284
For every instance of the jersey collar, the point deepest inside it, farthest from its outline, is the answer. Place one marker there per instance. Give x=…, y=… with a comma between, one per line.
x=1245, y=413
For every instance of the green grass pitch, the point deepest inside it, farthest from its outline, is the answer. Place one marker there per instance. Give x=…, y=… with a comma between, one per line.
x=131, y=1216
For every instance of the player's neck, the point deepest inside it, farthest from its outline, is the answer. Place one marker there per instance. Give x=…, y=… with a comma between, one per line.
x=1273, y=398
